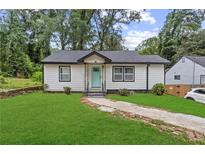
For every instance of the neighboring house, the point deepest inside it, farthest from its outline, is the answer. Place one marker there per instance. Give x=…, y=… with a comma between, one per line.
x=102, y=71
x=188, y=70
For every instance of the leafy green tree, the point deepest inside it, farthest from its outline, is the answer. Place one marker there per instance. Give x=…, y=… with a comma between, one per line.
x=194, y=44
x=19, y=64
x=80, y=32
x=178, y=24
x=107, y=26
x=27, y=36
x=149, y=46
x=13, y=36
x=38, y=25
x=172, y=40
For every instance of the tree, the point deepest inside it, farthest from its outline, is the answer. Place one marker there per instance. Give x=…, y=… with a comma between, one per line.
x=80, y=32
x=107, y=24
x=34, y=34
x=192, y=45
x=149, y=46
x=19, y=64
x=39, y=26
x=12, y=35
x=178, y=24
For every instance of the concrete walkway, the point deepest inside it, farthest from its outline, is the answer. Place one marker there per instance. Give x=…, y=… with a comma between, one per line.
x=177, y=119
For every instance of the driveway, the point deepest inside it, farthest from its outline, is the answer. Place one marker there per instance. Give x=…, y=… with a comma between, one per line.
x=177, y=119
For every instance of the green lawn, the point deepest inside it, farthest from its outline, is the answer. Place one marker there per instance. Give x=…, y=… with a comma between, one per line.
x=45, y=118
x=13, y=83
x=167, y=102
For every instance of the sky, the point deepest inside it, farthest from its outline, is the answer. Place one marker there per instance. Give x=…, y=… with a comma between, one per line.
x=151, y=23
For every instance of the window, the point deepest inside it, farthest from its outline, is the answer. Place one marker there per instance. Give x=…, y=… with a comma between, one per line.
x=202, y=79
x=177, y=77
x=64, y=74
x=123, y=74
x=200, y=91
x=128, y=73
x=118, y=73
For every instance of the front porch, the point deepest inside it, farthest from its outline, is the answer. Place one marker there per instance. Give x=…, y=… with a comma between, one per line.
x=95, y=73
x=95, y=79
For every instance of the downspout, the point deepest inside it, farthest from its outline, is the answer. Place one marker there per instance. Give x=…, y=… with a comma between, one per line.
x=164, y=75
x=85, y=77
x=147, y=78
x=42, y=74
x=193, y=75
x=105, y=79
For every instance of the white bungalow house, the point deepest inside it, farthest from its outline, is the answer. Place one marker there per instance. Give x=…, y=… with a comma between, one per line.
x=102, y=71
x=189, y=70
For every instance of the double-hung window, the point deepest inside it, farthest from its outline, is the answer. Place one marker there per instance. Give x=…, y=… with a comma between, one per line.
x=129, y=74
x=123, y=74
x=118, y=73
x=64, y=74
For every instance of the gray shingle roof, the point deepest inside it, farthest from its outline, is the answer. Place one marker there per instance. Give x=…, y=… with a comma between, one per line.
x=198, y=60
x=115, y=56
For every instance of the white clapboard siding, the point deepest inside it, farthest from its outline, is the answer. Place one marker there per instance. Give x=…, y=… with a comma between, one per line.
x=185, y=67
x=140, y=78
x=156, y=74
x=51, y=77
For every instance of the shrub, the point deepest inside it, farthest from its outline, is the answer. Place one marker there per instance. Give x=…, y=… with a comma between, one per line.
x=37, y=76
x=158, y=89
x=2, y=80
x=67, y=90
x=124, y=92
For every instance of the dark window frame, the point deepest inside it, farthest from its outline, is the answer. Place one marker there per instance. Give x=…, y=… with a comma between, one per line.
x=123, y=73
x=59, y=74
x=201, y=79
x=175, y=77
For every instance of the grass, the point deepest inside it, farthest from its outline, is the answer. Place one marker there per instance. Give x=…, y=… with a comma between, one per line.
x=167, y=102
x=14, y=83
x=45, y=118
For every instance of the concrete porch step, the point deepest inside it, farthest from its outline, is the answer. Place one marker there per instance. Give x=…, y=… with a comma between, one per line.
x=95, y=94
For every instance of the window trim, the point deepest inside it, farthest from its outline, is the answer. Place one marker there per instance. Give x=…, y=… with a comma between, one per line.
x=123, y=73
x=59, y=74
x=113, y=73
x=129, y=73
x=179, y=77
x=201, y=79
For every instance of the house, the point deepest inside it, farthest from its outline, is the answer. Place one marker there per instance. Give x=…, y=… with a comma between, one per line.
x=102, y=71
x=188, y=70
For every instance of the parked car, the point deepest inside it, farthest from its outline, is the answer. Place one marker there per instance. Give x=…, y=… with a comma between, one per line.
x=196, y=94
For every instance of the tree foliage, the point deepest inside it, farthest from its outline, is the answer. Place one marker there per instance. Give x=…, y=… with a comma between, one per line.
x=149, y=46
x=192, y=45
x=178, y=28
x=27, y=36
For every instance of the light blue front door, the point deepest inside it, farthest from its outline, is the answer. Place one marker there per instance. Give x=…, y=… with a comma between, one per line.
x=96, y=77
